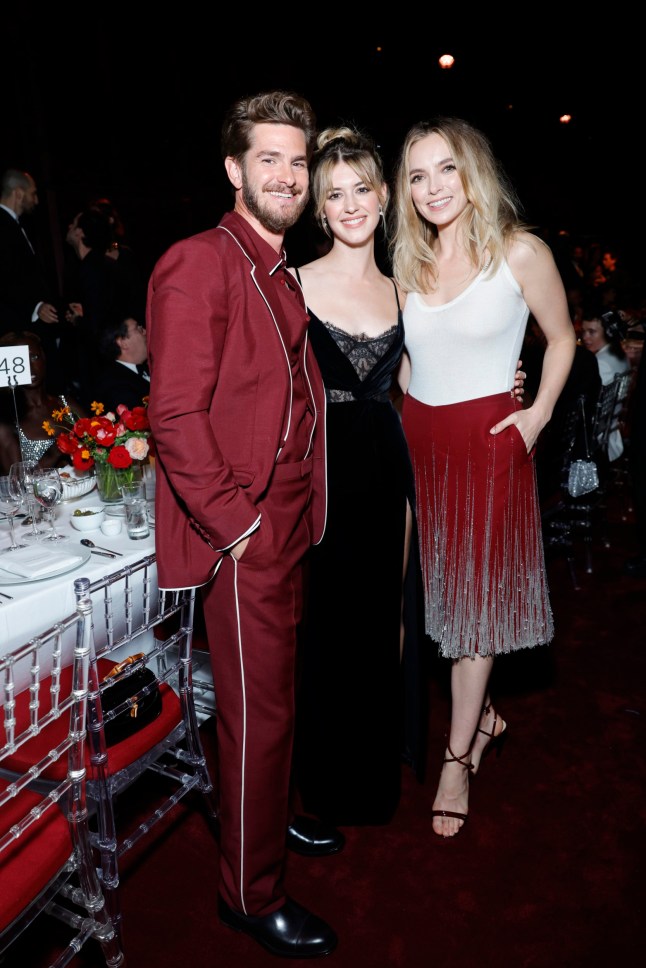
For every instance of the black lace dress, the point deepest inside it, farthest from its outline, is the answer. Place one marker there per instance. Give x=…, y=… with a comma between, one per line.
x=358, y=705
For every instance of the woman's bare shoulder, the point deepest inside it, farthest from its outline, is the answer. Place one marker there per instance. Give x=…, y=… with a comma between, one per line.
x=525, y=249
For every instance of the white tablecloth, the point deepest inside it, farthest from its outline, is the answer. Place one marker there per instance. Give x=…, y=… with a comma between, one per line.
x=37, y=605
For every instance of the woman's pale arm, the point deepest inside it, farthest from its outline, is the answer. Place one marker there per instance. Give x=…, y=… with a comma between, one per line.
x=403, y=373
x=533, y=266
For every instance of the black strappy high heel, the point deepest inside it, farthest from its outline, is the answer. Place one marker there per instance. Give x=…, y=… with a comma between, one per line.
x=452, y=758
x=495, y=740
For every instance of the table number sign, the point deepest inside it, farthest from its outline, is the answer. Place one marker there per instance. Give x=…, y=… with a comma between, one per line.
x=14, y=366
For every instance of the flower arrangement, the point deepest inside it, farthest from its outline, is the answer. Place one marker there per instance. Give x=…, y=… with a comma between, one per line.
x=115, y=444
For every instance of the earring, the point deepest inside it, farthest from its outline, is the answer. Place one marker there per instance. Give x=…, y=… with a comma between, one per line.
x=325, y=226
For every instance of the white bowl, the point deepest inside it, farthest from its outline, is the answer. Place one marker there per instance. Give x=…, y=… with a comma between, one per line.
x=87, y=518
x=76, y=483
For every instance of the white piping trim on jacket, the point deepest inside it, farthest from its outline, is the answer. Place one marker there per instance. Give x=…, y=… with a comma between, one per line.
x=282, y=342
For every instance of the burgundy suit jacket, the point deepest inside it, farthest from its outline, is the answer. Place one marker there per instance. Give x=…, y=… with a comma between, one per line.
x=220, y=396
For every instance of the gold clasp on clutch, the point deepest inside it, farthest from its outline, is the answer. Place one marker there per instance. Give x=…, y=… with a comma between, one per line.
x=120, y=666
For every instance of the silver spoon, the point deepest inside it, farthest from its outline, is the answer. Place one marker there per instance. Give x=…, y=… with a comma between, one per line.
x=90, y=544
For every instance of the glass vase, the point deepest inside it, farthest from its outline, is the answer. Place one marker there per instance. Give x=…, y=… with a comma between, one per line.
x=109, y=480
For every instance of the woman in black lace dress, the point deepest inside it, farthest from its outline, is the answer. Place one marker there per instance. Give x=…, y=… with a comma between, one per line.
x=358, y=703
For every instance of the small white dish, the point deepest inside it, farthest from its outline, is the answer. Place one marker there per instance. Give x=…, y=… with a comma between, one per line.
x=87, y=518
x=111, y=526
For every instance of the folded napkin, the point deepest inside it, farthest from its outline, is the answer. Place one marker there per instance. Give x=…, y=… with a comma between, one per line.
x=35, y=562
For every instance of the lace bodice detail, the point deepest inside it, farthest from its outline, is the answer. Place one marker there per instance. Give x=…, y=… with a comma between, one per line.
x=362, y=351
x=356, y=367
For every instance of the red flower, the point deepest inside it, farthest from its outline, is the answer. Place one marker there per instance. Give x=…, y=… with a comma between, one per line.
x=67, y=443
x=84, y=426
x=82, y=459
x=119, y=457
x=106, y=436
x=135, y=419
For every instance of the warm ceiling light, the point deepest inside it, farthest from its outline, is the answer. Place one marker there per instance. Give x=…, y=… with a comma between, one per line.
x=565, y=118
x=446, y=60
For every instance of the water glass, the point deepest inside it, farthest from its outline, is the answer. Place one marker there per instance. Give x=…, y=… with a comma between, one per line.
x=134, y=503
x=11, y=498
x=48, y=491
x=23, y=472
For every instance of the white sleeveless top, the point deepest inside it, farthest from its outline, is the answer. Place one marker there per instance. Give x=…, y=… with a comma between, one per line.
x=468, y=347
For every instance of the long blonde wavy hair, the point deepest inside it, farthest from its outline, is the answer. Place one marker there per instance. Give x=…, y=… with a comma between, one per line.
x=488, y=222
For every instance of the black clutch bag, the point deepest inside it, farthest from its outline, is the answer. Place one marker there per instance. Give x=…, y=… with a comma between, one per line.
x=138, y=694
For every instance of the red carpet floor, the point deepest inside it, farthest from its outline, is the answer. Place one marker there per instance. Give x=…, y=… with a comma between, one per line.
x=547, y=872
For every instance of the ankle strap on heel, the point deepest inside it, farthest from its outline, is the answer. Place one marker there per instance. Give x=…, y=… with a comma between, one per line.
x=452, y=758
x=485, y=712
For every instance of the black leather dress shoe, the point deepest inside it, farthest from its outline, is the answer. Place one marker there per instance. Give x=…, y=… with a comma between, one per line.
x=291, y=931
x=313, y=838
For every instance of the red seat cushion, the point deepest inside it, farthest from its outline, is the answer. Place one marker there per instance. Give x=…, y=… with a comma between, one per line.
x=119, y=756
x=31, y=861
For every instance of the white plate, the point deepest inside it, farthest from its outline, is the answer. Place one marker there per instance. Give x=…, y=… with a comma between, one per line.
x=6, y=578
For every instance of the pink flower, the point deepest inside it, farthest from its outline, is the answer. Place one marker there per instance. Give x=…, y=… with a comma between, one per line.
x=137, y=447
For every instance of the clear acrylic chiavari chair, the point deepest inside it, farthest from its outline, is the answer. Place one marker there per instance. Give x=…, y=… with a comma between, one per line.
x=126, y=610
x=47, y=865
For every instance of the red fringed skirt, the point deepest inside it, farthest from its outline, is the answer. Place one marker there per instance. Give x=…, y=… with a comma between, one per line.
x=483, y=564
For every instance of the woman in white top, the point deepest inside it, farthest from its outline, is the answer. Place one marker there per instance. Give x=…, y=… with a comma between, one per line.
x=474, y=274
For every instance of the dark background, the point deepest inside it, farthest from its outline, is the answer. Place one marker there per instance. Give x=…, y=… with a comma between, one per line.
x=132, y=112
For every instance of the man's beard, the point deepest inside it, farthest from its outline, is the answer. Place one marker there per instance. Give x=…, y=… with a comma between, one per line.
x=272, y=221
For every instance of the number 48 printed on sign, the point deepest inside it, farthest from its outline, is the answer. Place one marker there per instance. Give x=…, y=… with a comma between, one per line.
x=14, y=366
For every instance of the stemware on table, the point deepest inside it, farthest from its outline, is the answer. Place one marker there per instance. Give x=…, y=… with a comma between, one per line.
x=23, y=472
x=48, y=491
x=11, y=499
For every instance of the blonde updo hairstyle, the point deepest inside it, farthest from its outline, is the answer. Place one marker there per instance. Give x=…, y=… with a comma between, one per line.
x=345, y=144
x=488, y=222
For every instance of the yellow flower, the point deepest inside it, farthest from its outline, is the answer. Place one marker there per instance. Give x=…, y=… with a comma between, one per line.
x=97, y=408
x=58, y=415
x=47, y=427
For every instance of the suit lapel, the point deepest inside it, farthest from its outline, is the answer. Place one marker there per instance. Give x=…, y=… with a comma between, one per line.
x=235, y=227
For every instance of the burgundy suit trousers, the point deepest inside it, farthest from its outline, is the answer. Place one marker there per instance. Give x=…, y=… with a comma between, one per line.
x=251, y=609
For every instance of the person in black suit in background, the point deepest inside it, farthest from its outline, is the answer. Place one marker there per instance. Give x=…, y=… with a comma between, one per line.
x=97, y=287
x=123, y=377
x=26, y=296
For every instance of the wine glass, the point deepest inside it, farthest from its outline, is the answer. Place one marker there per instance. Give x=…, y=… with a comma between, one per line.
x=11, y=498
x=48, y=490
x=23, y=472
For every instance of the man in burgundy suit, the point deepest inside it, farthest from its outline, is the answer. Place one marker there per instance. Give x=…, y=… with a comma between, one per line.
x=237, y=408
